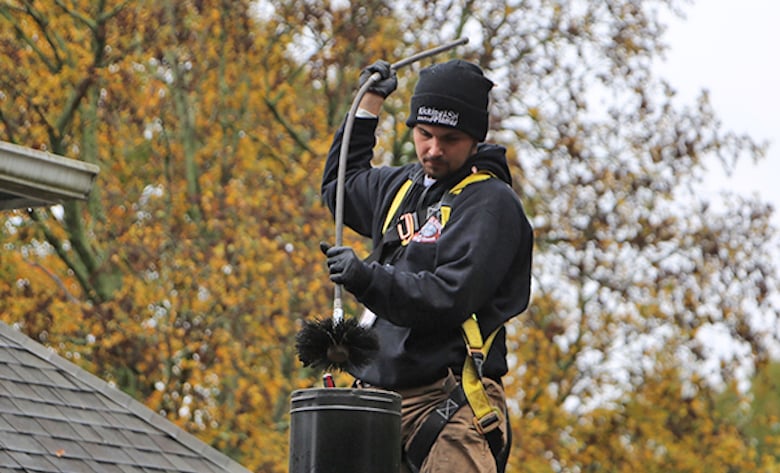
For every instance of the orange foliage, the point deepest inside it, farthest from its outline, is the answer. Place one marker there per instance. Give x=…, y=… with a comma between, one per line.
x=185, y=276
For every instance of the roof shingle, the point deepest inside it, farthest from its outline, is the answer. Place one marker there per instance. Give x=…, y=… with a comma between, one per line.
x=56, y=417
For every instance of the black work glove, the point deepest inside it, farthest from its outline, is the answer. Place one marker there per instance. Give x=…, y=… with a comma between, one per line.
x=387, y=82
x=346, y=268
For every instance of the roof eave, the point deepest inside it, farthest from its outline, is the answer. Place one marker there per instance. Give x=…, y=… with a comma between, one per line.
x=33, y=178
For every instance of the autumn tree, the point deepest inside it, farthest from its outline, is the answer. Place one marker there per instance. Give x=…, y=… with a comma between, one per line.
x=184, y=277
x=631, y=263
x=758, y=415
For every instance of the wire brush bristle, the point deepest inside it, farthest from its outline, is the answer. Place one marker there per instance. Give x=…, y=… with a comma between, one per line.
x=335, y=345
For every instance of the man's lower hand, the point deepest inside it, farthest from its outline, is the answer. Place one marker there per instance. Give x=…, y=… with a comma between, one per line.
x=346, y=268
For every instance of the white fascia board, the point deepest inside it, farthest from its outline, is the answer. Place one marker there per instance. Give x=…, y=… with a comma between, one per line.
x=31, y=178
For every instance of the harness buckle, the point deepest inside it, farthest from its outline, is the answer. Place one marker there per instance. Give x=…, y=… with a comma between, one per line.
x=479, y=359
x=487, y=423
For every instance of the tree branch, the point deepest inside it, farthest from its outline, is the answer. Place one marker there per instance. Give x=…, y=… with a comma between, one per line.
x=79, y=270
x=293, y=134
x=70, y=297
x=53, y=66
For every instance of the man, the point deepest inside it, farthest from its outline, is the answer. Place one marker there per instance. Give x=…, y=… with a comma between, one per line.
x=451, y=244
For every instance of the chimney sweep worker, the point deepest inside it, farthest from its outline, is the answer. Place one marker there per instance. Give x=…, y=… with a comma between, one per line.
x=451, y=265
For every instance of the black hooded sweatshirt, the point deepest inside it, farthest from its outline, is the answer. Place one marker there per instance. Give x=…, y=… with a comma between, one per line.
x=422, y=292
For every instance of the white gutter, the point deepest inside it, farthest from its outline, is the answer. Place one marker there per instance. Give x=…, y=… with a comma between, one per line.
x=32, y=178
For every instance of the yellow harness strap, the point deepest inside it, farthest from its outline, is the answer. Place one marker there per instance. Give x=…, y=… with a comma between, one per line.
x=399, y=197
x=486, y=417
x=478, y=176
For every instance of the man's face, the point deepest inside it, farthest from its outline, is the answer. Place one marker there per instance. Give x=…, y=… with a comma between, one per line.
x=442, y=150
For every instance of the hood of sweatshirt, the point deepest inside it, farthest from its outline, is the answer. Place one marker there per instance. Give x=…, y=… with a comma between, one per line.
x=492, y=158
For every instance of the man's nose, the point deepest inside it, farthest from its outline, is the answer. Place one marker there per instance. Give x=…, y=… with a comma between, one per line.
x=436, y=148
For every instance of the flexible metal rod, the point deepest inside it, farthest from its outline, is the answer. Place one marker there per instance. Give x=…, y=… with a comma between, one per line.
x=338, y=311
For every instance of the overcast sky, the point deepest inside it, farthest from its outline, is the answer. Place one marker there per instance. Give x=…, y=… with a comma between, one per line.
x=729, y=48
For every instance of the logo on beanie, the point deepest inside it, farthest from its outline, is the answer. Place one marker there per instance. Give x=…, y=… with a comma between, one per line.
x=436, y=116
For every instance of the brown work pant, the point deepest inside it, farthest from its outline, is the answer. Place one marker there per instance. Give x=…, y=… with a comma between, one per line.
x=459, y=448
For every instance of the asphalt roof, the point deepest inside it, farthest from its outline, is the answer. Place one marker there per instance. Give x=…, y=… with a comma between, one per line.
x=57, y=417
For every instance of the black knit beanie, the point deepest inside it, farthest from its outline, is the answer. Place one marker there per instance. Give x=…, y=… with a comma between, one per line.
x=452, y=94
